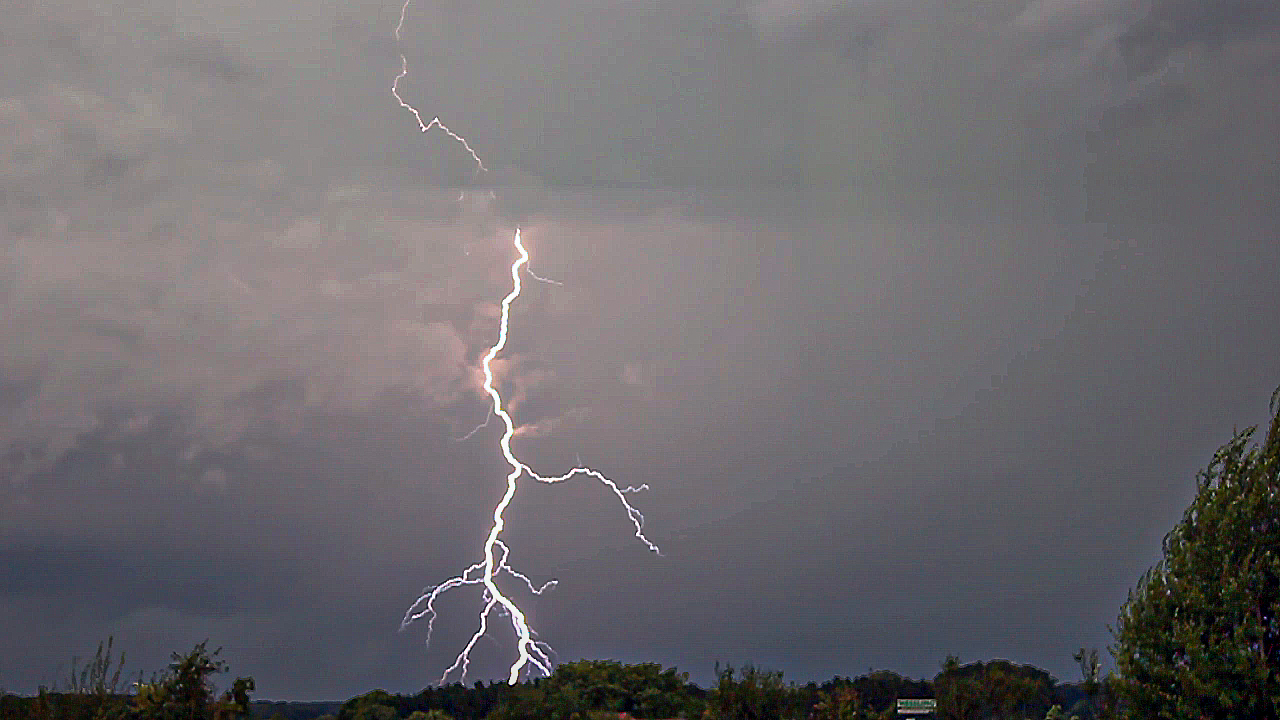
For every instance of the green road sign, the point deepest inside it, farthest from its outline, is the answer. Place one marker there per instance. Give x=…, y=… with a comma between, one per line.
x=917, y=706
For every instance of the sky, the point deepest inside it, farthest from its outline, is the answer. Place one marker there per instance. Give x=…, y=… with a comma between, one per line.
x=917, y=319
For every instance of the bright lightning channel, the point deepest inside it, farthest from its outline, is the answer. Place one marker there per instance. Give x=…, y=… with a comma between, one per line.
x=531, y=652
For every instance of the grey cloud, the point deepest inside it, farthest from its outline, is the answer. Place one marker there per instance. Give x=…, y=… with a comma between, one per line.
x=916, y=320
x=215, y=336
x=116, y=281
x=777, y=19
x=124, y=584
x=208, y=57
x=1171, y=24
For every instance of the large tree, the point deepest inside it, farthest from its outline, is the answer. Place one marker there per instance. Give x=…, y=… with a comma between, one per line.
x=1199, y=636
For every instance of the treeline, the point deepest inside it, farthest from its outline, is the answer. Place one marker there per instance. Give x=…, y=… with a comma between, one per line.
x=595, y=690
x=97, y=691
x=573, y=690
x=582, y=690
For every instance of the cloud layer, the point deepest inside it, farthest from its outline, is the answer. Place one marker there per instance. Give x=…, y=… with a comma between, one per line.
x=912, y=317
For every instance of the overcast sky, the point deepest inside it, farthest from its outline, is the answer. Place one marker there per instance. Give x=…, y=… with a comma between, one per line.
x=917, y=318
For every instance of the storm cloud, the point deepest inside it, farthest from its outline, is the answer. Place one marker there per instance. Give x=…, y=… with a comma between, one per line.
x=917, y=321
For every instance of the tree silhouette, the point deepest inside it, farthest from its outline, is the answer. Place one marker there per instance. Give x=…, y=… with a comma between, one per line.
x=1199, y=637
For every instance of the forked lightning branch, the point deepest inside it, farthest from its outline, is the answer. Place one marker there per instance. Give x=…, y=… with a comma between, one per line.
x=531, y=652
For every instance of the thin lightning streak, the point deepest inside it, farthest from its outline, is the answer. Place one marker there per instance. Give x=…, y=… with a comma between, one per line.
x=477, y=428
x=533, y=654
x=636, y=518
x=435, y=121
x=539, y=278
x=464, y=657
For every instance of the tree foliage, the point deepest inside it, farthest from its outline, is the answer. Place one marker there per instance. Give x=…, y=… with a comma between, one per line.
x=867, y=696
x=1199, y=636
x=586, y=688
x=993, y=690
x=186, y=690
x=96, y=677
x=747, y=693
x=93, y=691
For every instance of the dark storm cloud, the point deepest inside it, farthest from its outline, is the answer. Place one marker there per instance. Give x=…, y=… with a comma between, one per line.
x=917, y=321
x=1171, y=25
x=191, y=582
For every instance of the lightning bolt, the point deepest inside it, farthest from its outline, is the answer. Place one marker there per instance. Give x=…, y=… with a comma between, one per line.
x=435, y=121
x=530, y=651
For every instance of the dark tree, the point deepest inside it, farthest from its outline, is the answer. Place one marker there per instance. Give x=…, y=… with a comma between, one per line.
x=998, y=689
x=1199, y=636
x=747, y=693
x=186, y=691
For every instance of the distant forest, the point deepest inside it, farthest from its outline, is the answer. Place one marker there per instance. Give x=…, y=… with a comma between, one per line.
x=596, y=690
x=582, y=690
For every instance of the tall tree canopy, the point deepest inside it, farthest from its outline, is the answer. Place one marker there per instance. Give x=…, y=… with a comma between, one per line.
x=1199, y=636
